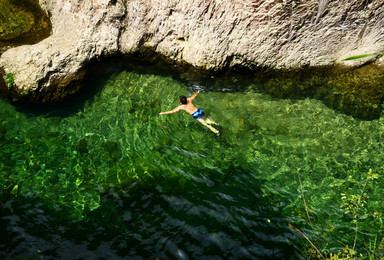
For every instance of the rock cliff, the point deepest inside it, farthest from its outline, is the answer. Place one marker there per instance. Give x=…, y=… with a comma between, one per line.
x=213, y=35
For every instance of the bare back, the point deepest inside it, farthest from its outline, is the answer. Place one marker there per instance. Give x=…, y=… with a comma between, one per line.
x=189, y=107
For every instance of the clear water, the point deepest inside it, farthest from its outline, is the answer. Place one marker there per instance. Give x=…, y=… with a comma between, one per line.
x=108, y=177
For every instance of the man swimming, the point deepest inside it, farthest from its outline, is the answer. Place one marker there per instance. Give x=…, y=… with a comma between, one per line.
x=198, y=114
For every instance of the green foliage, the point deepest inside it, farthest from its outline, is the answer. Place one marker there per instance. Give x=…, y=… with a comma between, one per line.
x=345, y=254
x=125, y=4
x=363, y=219
x=355, y=203
x=373, y=247
x=362, y=56
x=352, y=203
x=24, y=93
x=9, y=80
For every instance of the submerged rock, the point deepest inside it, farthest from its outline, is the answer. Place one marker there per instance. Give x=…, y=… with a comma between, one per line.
x=82, y=146
x=212, y=35
x=113, y=150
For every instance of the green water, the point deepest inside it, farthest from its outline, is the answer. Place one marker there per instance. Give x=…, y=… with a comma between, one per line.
x=108, y=176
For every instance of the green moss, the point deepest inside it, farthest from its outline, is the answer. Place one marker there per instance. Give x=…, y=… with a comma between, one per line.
x=13, y=21
x=9, y=80
x=125, y=4
x=21, y=22
x=355, y=92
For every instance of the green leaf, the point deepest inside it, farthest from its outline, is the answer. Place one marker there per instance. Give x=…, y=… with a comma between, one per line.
x=361, y=56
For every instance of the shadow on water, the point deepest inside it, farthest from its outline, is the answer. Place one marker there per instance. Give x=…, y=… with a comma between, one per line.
x=358, y=92
x=161, y=217
x=98, y=72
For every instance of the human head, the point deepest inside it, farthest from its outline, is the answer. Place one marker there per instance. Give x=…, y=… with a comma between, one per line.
x=183, y=100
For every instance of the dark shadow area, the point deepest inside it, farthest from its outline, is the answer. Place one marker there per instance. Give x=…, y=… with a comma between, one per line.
x=99, y=71
x=135, y=219
x=356, y=92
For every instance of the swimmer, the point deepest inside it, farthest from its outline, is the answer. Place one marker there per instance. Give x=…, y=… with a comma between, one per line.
x=198, y=114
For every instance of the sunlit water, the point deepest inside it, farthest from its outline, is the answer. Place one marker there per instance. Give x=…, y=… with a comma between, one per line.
x=109, y=177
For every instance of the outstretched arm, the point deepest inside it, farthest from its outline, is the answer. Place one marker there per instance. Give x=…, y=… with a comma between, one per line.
x=194, y=95
x=177, y=109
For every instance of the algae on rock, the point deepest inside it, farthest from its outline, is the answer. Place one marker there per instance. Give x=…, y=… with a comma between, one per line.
x=22, y=22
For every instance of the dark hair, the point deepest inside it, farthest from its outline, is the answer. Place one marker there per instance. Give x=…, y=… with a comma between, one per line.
x=183, y=100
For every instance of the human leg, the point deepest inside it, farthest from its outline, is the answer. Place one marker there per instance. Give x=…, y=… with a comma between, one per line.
x=203, y=122
x=210, y=121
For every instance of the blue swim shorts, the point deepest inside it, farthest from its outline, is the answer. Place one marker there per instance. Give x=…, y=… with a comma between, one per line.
x=198, y=114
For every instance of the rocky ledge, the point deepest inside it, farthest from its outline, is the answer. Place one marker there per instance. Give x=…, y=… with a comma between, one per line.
x=212, y=35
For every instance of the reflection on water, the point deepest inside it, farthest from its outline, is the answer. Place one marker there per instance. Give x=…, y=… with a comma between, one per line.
x=114, y=179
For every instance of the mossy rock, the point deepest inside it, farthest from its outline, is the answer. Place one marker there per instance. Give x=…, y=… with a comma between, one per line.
x=355, y=92
x=82, y=147
x=22, y=22
x=13, y=20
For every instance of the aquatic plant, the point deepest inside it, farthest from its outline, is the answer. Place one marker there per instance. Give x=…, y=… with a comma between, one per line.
x=110, y=161
x=355, y=204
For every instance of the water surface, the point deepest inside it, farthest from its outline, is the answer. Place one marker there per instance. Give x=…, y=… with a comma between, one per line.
x=109, y=177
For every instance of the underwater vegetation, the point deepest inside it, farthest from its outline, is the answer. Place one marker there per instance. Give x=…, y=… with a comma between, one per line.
x=358, y=92
x=108, y=172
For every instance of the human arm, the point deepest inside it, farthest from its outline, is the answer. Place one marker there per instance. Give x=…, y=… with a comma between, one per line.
x=194, y=95
x=177, y=109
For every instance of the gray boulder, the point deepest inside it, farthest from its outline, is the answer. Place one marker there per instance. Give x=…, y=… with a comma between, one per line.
x=212, y=35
